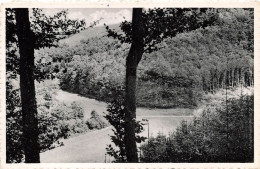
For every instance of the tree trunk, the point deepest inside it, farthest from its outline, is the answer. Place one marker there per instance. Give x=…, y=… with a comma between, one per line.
x=132, y=60
x=29, y=108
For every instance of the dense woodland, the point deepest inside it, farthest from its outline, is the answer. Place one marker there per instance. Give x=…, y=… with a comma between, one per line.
x=203, y=60
x=178, y=70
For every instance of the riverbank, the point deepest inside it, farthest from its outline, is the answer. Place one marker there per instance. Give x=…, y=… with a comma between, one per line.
x=88, y=105
x=90, y=146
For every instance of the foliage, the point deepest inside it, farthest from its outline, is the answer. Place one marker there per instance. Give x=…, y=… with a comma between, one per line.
x=12, y=56
x=48, y=30
x=161, y=23
x=116, y=117
x=93, y=74
x=45, y=34
x=95, y=122
x=61, y=122
x=213, y=136
x=14, y=152
x=174, y=76
x=57, y=121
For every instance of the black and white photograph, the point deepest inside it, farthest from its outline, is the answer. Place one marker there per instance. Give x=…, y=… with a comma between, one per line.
x=129, y=85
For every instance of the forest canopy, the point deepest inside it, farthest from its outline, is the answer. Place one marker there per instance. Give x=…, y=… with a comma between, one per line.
x=202, y=60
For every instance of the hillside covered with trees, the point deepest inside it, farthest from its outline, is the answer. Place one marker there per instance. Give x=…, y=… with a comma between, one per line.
x=177, y=75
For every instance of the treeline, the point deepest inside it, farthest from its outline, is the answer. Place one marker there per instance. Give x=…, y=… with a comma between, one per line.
x=224, y=133
x=206, y=59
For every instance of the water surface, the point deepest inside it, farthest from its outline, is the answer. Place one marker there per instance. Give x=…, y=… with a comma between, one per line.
x=90, y=147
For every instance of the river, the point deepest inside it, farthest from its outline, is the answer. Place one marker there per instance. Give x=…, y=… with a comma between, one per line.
x=90, y=147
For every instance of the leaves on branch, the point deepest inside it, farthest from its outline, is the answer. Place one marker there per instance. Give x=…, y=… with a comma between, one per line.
x=161, y=23
x=49, y=30
x=116, y=118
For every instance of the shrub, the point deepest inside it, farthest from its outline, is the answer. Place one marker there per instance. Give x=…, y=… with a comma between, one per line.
x=116, y=117
x=95, y=121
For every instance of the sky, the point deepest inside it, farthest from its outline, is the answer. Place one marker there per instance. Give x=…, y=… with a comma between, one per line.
x=110, y=15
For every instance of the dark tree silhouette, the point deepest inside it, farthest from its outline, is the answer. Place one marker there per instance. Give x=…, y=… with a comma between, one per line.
x=132, y=60
x=29, y=108
x=41, y=31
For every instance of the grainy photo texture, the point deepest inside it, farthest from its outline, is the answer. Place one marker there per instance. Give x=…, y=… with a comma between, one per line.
x=124, y=85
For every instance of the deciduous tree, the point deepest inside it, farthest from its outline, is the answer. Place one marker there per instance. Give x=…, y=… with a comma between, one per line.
x=148, y=29
x=42, y=32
